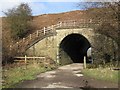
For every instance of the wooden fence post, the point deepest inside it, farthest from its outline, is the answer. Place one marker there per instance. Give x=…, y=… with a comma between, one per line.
x=17, y=47
x=25, y=62
x=25, y=59
x=52, y=27
x=60, y=24
x=74, y=23
x=23, y=39
x=30, y=36
x=64, y=24
x=44, y=30
x=84, y=62
x=90, y=20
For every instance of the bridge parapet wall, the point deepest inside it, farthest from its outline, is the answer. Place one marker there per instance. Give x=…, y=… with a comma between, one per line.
x=21, y=46
x=102, y=46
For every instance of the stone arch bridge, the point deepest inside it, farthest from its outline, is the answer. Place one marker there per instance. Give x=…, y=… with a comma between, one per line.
x=68, y=42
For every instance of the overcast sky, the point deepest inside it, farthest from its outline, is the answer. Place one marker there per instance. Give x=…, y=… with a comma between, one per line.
x=44, y=6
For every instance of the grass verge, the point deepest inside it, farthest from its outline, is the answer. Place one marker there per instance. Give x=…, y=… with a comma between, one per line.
x=15, y=75
x=102, y=74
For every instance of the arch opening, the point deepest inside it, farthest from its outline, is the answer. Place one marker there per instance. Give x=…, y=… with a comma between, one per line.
x=75, y=46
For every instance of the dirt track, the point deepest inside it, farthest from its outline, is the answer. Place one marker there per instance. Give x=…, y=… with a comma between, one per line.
x=68, y=76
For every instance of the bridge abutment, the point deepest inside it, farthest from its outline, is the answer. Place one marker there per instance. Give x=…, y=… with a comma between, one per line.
x=102, y=46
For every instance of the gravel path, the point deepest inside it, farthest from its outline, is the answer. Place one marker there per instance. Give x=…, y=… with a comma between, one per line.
x=68, y=76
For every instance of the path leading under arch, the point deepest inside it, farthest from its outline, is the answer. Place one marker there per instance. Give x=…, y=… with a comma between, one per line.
x=76, y=46
x=68, y=76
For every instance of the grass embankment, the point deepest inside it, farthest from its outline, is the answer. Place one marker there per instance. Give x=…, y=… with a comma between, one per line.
x=102, y=74
x=15, y=75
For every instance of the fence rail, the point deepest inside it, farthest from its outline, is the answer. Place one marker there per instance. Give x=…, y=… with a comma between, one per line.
x=30, y=57
x=22, y=45
x=26, y=57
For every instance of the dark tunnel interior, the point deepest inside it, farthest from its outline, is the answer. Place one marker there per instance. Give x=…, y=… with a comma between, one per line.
x=76, y=46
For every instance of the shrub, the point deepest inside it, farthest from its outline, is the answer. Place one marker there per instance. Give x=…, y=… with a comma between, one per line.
x=19, y=20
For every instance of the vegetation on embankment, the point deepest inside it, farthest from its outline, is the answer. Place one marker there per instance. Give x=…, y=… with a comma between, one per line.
x=45, y=20
x=102, y=73
x=17, y=74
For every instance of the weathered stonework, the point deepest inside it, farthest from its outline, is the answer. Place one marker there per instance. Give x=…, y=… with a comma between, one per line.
x=101, y=44
x=45, y=47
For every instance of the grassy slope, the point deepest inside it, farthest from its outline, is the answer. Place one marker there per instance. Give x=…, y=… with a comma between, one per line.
x=41, y=21
x=38, y=22
x=17, y=74
x=102, y=74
